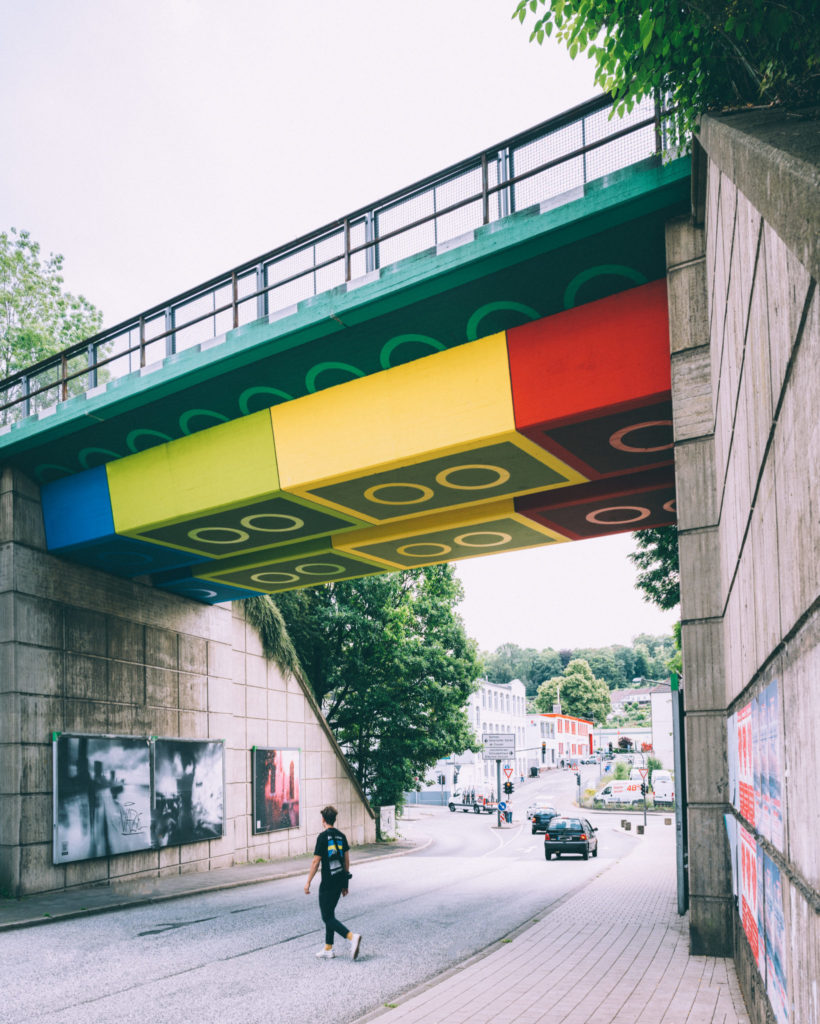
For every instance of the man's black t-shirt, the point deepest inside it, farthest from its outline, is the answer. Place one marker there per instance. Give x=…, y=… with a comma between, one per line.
x=328, y=842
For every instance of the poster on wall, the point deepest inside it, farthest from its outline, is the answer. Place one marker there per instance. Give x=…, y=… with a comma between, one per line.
x=731, y=835
x=275, y=774
x=732, y=759
x=775, y=940
x=102, y=796
x=773, y=790
x=745, y=781
x=749, y=890
x=189, y=785
x=760, y=767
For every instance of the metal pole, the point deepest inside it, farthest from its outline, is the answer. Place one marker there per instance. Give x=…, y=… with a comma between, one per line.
x=498, y=791
x=681, y=830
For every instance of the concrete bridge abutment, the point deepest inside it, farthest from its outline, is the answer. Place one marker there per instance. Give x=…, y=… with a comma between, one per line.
x=86, y=652
x=745, y=349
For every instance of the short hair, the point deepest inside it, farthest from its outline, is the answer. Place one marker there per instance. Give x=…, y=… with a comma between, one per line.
x=329, y=814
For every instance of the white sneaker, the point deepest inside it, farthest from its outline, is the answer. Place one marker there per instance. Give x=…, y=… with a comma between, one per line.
x=355, y=943
x=326, y=954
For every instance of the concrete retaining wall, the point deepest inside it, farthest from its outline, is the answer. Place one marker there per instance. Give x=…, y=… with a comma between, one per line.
x=82, y=651
x=745, y=340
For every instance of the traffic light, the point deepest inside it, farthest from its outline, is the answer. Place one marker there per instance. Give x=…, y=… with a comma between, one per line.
x=643, y=789
x=508, y=787
x=578, y=778
x=543, y=751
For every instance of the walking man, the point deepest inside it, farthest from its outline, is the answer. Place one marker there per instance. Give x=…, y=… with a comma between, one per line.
x=332, y=852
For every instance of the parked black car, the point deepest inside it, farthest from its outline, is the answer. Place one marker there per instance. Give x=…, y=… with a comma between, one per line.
x=541, y=817
x=570, y=835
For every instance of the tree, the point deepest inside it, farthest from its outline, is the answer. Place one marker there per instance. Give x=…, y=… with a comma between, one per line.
x=390, y=663
x=582, y=695
x=699, y=54
x=37, y=318
x=657, y=560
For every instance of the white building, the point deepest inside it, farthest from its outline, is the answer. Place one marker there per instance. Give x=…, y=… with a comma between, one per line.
x=662, y=740
x=494, y=707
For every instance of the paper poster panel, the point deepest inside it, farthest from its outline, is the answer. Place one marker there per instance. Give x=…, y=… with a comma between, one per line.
x=732, y=756
x=760, y=765
x=775, y=940
x=102, y=796
x=747, y=849
x=189, y=783
x=771, y=698
x=276, y=785
x=746, y=790
x=731, y=834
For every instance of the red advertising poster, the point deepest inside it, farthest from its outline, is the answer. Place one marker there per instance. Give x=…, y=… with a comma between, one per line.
x=748, y=890
x=745, y=763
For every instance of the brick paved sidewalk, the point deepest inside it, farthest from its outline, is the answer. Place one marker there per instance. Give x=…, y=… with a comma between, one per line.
x=614, y=953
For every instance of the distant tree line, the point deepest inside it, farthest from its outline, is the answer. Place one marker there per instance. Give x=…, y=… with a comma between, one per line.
x=618, y=665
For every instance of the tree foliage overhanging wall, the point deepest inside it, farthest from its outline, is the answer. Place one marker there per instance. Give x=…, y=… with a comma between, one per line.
x=700, y=54
x=391, y=665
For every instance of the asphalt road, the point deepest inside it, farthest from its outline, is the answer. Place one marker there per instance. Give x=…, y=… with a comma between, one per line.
x=247, y=955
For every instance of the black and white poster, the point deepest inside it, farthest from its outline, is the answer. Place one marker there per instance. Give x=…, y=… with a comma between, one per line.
x=189, y=784
x=275, y=788
x=102, y=796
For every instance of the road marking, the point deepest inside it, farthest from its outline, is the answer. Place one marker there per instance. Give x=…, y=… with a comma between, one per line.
x=505, y=842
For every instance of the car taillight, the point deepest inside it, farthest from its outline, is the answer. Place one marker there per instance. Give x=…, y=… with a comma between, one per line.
x=583, y=835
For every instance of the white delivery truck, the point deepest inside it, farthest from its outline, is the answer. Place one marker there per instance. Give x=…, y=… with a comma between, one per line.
x=620, y=791
x=663, y=787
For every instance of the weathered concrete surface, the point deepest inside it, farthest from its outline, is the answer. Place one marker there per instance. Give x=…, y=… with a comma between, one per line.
x=747, y=435
x=83, y=651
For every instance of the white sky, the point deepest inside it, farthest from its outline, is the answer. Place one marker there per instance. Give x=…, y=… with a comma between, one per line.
x=157, y=144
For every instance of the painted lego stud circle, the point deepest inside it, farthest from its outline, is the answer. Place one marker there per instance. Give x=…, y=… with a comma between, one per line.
x=319, y=569
x=496, y=539
x=639, y=513
x=617, y=439
x=291, y=522
x=275, y=577
x=424, y=493
x=197, y=592
x=201, y=532
x=423, y=550
x=501, y=477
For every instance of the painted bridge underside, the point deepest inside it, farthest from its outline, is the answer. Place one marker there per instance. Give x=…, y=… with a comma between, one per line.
x=507, y=391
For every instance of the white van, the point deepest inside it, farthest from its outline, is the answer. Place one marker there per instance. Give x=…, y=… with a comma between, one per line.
x=663, y=787
x=620, y=791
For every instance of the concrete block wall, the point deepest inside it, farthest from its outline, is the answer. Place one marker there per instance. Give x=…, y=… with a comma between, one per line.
x=745, y=340
x=83, y=651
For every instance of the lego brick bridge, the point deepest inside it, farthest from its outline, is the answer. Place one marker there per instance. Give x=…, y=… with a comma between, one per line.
x=477, y=364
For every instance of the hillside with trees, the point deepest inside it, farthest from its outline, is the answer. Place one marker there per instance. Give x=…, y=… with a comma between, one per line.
x=618, y=665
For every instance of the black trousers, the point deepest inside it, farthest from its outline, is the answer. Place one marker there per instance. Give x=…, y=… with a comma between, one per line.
x=329, y=895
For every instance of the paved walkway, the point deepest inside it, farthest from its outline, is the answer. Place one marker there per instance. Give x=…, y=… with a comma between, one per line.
x=614, y=953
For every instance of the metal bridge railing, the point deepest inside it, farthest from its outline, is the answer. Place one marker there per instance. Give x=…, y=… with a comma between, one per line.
x=541, y=164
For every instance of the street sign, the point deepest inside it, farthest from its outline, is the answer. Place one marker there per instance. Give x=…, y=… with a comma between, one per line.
x=498, y=746
x=643, y=772
x=502, y=806
x=508, y=772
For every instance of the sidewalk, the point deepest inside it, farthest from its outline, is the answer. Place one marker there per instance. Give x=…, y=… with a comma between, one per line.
x=83, y=902
x=614, y=953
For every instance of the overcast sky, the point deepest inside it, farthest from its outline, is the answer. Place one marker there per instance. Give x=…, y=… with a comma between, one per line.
x=157, y=144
